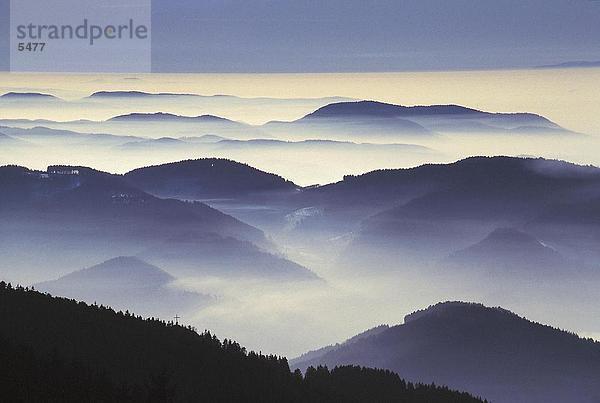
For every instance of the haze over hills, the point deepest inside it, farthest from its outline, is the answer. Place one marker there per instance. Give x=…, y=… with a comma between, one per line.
x=489, y=351
x=370, y=118
x=196, y=255
x=158, y=124
x=137, y=94
x=126, y=283
x=97, y=215
x=28, y=96
x=56, y=137
x=10, y=141
x=161, y=116
x=348, y=124
x=164, y=143
x=571, y=65
x=409, y=219
x=151, y=95
x=66, y=350
x=301, y=161
x=507, y=252
x=358, y=121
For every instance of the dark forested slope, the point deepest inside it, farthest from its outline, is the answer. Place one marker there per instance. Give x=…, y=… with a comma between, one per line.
x=60, y=350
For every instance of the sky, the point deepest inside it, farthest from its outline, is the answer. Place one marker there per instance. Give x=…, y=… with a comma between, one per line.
x=266, y=36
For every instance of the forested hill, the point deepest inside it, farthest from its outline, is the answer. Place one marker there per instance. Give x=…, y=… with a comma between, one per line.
x=55, y=349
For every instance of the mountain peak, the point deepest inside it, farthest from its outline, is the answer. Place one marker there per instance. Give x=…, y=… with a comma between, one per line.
x=206, y=178
x=377, y=109
x=452, y=308
x=28, y=96
x=122, y=270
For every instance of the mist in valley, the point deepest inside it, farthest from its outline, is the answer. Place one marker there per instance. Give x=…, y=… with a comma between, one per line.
x=301, y=267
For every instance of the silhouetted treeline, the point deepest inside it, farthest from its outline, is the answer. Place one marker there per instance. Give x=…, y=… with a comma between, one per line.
x=55, y=349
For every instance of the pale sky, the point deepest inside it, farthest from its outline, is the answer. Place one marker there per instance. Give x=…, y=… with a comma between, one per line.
x=357, y=35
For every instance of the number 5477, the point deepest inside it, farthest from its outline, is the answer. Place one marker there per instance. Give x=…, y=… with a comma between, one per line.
x=31, y=46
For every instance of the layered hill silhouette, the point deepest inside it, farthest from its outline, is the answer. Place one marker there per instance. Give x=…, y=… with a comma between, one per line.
x=432, y=211
x=40, y=135
x=380, y=110
x=194, y=254
x=345, y=121
x=28, y=96
x=58, y=349
x=83, y=216
x=508, y=251
x=6, y=140
x=179, y=125
x=169, y=117
x=126, y=283
x=136, y=94
x=380, y=120
x=208, y=178
x=232, y=98
x=488, y=351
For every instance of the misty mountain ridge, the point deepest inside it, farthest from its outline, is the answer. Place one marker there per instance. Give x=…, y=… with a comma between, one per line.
x=384, y=110
x=163, y=143
x=421, y=215
x=379, y=110
x=162, y=116
x=489, y=351
x=208, y=178
x=67, y=200
x=378, y=119
x=57, y=137
x=119, y=272
x=153, y=95
x=11, y=141
x=508, y=251
x=195, y=254
x=126, y=283
x=28, y=96
x=137, y=94
x=207, y=138
x=388, y=187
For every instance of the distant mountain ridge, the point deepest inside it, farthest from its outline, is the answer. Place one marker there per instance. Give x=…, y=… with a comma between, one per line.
x=572, y=64
x=490, y=351
x=373, y=119
x=30, y=96
x=126, y=283
x=162, y=116
x=510, y=252
x=207, y=178
x=126, y=219
x=423, y=115
x=385, y=110
x=137, y=94
x=150, y=95
x=121, y=271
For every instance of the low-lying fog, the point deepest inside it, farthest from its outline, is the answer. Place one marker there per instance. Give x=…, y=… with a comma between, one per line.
x=292, y=317
x=307, y=163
